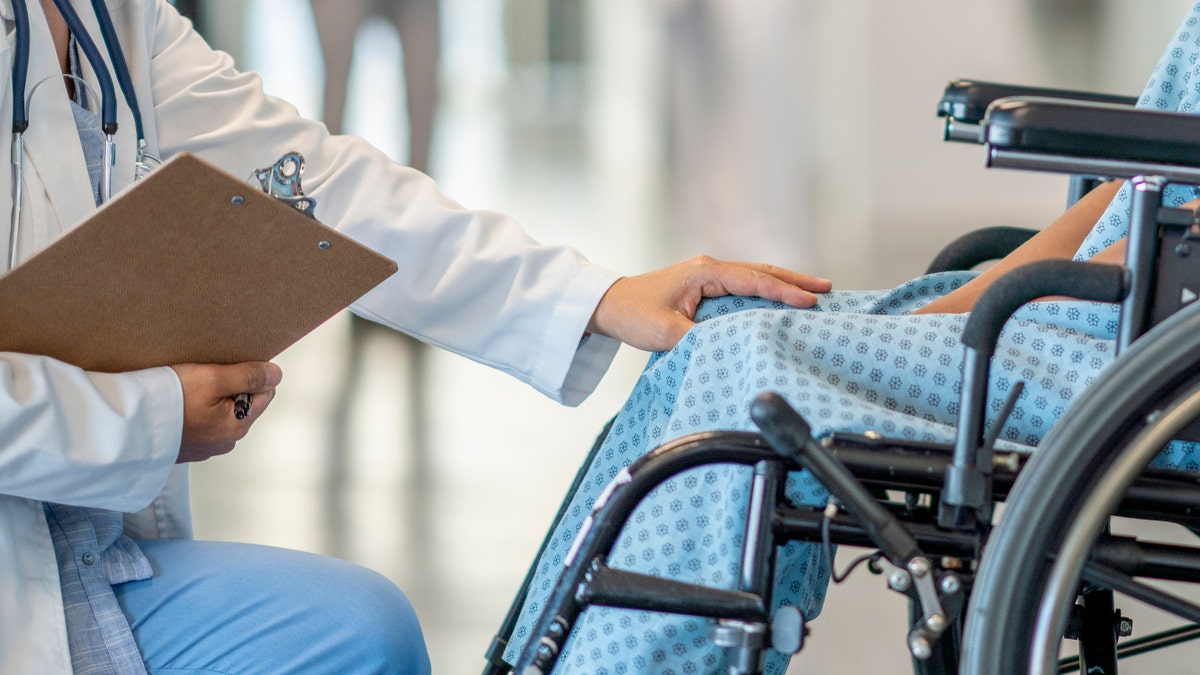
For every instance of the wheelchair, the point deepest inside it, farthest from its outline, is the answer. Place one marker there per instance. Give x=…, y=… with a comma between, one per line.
x=990, y=593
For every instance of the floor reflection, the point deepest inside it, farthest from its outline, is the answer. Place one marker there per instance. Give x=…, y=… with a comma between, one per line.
x=437, y=472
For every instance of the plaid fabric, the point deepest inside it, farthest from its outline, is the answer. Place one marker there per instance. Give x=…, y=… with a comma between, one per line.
x=93, y=555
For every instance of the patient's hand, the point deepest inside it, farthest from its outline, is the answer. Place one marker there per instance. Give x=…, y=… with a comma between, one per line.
x=653, y=311
x=210, y=427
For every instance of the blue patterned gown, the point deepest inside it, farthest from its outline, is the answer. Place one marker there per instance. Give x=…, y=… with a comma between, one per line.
x=856, y=362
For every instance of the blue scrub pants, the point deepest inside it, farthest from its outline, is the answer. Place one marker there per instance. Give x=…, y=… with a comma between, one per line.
x=222, y=608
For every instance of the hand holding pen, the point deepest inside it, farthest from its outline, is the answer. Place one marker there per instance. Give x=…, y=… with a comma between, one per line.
x=220, y=402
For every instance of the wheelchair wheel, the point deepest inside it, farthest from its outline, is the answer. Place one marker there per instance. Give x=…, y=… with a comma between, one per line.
x=1147, y=395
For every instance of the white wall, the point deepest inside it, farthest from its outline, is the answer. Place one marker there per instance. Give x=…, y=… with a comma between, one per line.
x=889, y=192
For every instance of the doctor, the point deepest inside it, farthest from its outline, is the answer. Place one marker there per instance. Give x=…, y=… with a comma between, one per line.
x=97, y=567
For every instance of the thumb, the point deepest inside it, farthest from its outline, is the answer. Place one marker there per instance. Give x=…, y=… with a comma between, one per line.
x=676, y=328
x=252, y=377
x=261, y=376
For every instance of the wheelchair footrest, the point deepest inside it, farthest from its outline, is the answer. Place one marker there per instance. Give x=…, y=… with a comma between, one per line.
x=621, y=588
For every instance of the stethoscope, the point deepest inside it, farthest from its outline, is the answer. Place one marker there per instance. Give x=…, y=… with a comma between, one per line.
x=144, y=162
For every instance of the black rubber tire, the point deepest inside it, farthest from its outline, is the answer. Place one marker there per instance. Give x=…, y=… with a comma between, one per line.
x=1041, y=507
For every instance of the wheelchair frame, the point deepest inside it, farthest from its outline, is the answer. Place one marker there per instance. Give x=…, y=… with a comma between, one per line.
x=929, y=543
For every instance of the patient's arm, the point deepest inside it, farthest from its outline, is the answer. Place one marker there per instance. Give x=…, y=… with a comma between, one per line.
x=1059, y=240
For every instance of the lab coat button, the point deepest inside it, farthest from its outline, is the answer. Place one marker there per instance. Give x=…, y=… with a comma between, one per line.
x=89, y=558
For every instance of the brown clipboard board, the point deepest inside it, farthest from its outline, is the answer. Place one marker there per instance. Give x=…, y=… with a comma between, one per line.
x=190, y=265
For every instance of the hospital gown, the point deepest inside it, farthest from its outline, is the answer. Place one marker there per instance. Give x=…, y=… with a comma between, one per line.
x=858, y=361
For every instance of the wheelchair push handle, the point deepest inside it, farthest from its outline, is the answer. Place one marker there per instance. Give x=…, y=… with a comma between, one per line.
x=791, y=436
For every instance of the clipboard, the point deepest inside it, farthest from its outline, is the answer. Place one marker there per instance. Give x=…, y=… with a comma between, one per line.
x=190, y=265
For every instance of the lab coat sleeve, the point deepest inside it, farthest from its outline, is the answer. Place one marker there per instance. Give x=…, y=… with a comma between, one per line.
x=87, y=439
x=472, y=282
x=169, y=516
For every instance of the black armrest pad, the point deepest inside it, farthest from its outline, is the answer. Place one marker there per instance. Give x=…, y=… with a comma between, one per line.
x=979, y=246
x=1094, y=130
x=967, y=100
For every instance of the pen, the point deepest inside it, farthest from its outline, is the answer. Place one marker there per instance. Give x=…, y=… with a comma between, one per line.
x=241, y=405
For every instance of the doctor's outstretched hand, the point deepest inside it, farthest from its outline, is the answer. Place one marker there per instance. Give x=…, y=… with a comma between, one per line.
x=653, y=311
x=210, y=427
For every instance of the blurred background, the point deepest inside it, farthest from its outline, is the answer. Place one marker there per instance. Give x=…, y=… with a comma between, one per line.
x=796, y=132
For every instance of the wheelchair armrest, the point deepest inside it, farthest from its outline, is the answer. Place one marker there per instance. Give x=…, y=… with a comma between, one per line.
x=967, y=100
x=1078, y=136
x=1069, y=278
x=964, y=103
x=979, y=246
x=967, y=497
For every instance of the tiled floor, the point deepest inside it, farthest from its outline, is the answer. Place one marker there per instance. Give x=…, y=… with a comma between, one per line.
x=455, y=520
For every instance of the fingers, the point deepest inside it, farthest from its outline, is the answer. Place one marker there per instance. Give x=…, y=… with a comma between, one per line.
x=760, y=279
x=251, y=378
x=807, y=282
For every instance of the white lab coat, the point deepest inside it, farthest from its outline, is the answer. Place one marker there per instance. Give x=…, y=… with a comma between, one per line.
x=471, y=282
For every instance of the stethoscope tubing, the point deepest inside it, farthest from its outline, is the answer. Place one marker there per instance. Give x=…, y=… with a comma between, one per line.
x=108, y=102
x=120, y=67
x=108, y=99
x=20, y=123
x=20, y=66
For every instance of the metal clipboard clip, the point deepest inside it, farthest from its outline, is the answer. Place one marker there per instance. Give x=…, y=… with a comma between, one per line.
x=281, y=180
